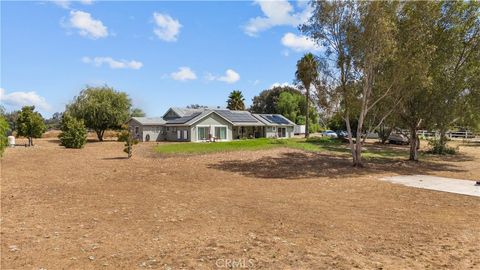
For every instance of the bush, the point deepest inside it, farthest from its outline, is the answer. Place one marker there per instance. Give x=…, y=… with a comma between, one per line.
x=437, y=148
x=3, y=134
x=74, y=133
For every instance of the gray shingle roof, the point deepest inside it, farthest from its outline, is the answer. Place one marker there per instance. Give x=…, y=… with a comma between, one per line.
x=150, y=120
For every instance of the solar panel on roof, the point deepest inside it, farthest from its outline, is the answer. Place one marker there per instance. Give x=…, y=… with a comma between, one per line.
x=275, y=119
x=237, y=116
x=183, y=120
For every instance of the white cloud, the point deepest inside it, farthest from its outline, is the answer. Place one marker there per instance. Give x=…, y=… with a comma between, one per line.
x=277, y=84
x=62, y=3
x=20, y=99
x=277, y=13
x=86, y=25
x=231, y=76
x=115, y=64
x=183, y=74
x=167, y=28
x=299, y=43
x=67, y=3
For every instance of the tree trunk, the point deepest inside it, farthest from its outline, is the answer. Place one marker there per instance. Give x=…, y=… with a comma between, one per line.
x=414, y=144
x=99, y=135
x=307, y=126
x=30, y=141
x=443, y=141
x=350, y=139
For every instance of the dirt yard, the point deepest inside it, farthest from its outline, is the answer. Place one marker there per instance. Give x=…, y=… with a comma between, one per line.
x=275, y=209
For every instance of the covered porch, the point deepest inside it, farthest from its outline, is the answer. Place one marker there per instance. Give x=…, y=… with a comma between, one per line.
x=248, y=132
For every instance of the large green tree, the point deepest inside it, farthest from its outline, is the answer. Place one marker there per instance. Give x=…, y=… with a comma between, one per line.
x=266, y=101
x=236, y=101
x=30, y=124
x=307, y=73
x=455, y=63
x=293, y=106
x=360, y=38
x=101, y=108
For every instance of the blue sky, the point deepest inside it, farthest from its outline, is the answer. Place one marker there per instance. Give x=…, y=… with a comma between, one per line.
x=162, y=54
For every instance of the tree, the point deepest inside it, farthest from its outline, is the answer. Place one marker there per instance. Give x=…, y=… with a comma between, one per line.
x=292, y=105
x=30, y=124
x=455, y=64
x=74, y=133
x=101, y=108
x=196, y=106
x=236, y=101
x=55, y=121
x=11, y=118
x=3, y=134
x=416, y=50
x=126, y=136
x=307, y=73
x=137, y=112
x=361, y=37
x=266, y=101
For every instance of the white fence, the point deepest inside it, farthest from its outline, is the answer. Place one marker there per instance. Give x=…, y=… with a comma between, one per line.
x=450, y=134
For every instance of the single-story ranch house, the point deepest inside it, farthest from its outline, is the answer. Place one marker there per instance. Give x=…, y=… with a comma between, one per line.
x=205, y=124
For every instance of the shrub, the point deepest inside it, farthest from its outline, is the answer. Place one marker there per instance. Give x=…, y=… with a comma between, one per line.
x=437, y=148
x=74, y=133
x=125, y=135
x=321, y=140
x=3, y=134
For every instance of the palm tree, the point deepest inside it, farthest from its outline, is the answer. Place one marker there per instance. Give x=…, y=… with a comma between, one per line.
x=235, y=101
x=307, y=72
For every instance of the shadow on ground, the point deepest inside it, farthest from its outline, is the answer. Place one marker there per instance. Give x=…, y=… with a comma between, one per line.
x=298, y=165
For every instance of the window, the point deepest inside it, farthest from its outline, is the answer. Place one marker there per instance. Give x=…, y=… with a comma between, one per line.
x=136, y=130
x=274, y=129
x=202, y=133
x=185, y=134
x=179, y=134
x=221, y=133
x=282, y=132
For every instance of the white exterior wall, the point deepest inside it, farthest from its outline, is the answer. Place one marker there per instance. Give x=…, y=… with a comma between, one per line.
x=272, y=131
x=211, y=121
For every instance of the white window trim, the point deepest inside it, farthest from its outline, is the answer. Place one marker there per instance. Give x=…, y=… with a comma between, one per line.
x=212, y=131
x=226, y=132
x=202, y=126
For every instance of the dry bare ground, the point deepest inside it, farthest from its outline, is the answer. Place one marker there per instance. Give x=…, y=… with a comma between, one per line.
x=276, y=209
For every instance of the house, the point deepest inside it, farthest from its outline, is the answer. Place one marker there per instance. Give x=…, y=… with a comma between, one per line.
x=206, y=124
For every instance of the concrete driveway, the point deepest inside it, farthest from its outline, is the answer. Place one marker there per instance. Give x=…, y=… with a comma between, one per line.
x=459, y=186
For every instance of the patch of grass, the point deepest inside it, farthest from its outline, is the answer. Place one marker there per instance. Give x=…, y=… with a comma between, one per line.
x=201, y=148
x=313, y=144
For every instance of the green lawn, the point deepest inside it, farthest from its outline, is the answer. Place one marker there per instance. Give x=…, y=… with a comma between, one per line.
x=315, y=144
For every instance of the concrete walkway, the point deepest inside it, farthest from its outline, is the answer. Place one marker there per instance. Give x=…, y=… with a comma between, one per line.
x=459, y=186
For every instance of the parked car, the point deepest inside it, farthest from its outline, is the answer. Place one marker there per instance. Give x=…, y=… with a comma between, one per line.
x=330, y=133
x=342, y=134
x=398, y=138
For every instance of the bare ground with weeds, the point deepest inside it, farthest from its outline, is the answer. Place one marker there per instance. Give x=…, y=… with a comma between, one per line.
x=280, y=209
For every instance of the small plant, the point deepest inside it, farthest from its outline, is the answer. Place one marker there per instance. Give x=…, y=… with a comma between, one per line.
x=437, y=148
x=3, y=134
x=74, y=133
x=126, y=136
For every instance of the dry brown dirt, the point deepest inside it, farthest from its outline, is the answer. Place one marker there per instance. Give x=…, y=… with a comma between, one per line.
x=277, y=209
